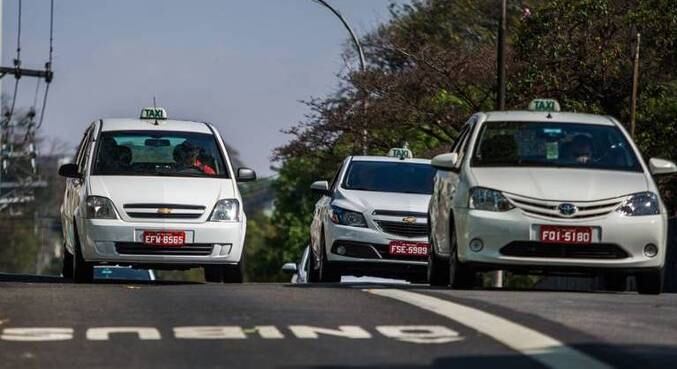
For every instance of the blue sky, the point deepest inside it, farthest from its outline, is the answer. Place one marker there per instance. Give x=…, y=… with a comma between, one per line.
x=241, y=64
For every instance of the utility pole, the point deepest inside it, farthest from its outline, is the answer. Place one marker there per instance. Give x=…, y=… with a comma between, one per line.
x=363, y=64
x=635, y=82
x=500, y=60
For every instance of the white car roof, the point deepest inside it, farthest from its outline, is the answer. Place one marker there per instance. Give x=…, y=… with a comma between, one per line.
x=390, y=159
x=149, y=125
x=539, y=116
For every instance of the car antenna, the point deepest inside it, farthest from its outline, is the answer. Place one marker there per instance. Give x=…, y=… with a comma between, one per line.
x=155, y=108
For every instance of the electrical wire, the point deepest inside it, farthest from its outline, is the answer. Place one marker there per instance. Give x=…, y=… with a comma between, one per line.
x=17, y=64
x=49, y=64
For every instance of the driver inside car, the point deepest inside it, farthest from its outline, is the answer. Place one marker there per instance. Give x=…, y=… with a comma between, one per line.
x=581, y=149
x=186, y=157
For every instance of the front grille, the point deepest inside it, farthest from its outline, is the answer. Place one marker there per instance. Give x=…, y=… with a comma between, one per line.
x=550, y=209
x=410, y=230
x=157, y=211
x=364, y=250
x=132, y=248
x=535, y=249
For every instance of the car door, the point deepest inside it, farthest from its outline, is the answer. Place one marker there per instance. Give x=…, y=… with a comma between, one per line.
x=73, y=194
x=443, y=193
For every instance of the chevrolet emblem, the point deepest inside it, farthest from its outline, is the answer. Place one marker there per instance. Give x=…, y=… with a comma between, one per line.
x=164, y=211
x=409, y=220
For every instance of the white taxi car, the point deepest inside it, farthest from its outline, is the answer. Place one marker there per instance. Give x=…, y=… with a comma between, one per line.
x=547, y=191
x=371, y=219
x=153, y=193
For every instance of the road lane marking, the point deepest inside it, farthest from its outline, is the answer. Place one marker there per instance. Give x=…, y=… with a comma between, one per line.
x=347, y=331
x=36, y=334
x=420, y=333
x=103, y=333
x=226, y=332
x=540, y=347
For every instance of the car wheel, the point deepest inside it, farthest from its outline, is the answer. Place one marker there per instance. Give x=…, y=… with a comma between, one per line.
x=328, y=273
x=67, y=264
x=650, y=283
x=313, y=267
x=460, y=276
x=614, y=281
x=83, y=271
x=213, y=273
x=438, y=272
x=234, y=273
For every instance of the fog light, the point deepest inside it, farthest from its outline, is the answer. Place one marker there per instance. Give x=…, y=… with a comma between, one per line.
x=651, y=250
x=476, y=245
x=341, y=250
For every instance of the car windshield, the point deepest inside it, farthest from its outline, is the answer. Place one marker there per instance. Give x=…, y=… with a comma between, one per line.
x=402, y=177
x=537, y=144
x=158, y=153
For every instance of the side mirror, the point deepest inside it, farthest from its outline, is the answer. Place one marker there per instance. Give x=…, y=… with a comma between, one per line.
x=245, y=175
x=445, y=161
x=69, y=171
x=661, y=166
x=321, y=187
x=290, y=268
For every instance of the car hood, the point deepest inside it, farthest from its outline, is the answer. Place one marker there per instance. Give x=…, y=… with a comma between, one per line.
x=162, y=190
x=368, y=201
x=561, y=184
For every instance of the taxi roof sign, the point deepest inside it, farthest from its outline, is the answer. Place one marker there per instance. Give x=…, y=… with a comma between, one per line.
x=401, y=152
x=154, y=113
x=547, y=105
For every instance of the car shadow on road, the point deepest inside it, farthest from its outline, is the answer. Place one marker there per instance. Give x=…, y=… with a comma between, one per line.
x=46, y=279
x=425, y=287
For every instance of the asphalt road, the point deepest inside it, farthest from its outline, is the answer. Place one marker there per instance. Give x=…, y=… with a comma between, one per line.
x=46, y=323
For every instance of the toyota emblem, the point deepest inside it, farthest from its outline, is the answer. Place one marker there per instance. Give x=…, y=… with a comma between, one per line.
x=567, y=209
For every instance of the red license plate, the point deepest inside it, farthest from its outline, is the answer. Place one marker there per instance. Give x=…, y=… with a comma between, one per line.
x=408, y=248
x=558, y=234
x=167, y=238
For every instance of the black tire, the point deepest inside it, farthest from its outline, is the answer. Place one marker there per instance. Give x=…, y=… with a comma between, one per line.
x=460, y=276
x=614, y=281
x=67, y=264
x=313, y=268
x=213, y=273
x=438, y=270
x=234, y=273
x=650, y=283
x=83, y=271
x=329, y=273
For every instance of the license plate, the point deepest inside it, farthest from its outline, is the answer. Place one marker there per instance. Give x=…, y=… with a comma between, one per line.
x=165, y=238
x=558, y=234
x=408, y=248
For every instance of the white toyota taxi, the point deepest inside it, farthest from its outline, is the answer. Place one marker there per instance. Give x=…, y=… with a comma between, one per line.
x=371, y=219
x=153, y=193
x=549, y=192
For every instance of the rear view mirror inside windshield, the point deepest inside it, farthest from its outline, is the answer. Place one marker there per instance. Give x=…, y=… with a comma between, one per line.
x=157, y=142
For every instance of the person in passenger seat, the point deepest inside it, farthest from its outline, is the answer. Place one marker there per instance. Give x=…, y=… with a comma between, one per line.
x=186, y=157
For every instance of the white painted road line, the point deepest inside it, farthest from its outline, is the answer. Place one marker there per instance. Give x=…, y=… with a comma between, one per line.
x=540, y=347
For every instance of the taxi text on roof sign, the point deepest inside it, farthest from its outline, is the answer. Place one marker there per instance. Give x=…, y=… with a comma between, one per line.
x=154, y=113
x=544, y=105
x=402, y=153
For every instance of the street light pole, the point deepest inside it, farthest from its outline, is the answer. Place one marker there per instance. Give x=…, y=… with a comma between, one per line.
x=360, y=53
x=500, y=60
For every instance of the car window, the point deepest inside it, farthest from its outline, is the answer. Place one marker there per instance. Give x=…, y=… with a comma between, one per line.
x=520, y=144
x=400, y=177
x=83, y=153
x=159, y=153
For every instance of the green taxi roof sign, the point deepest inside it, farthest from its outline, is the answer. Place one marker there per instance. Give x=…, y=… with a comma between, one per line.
x=548, y=105
x=154, y=113
x=401, y=152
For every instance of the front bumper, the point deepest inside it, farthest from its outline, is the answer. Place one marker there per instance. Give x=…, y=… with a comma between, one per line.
x=370, y=246
x=628, y=235
x=117, y=241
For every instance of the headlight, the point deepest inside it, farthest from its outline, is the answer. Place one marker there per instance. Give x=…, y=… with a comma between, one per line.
x=487, y=199
x=643, y=203
x=100, y=208
x=347, y=217
x=227, y=210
